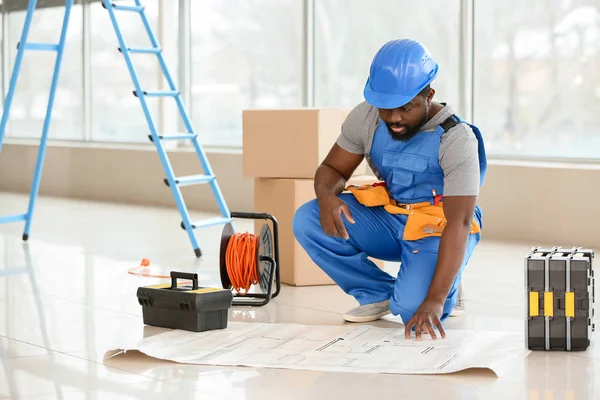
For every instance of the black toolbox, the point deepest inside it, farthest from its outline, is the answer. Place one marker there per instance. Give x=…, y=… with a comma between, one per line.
x=560, y=299
x=185, y=307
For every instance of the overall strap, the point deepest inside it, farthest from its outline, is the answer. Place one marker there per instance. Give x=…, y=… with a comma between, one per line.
x=454, y=120
x=451, y=122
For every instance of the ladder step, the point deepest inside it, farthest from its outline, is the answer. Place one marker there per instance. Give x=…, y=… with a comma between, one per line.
x=176, y=136
x=13, y=218
x=40, y=46
x=163, y=93
x=138, y=9
x=192, y=180
x=140, y=50
x=5, y=273
x=209, y=222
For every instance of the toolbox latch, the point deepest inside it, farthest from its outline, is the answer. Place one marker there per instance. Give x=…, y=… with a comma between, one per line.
x=144, y=300
x=185, y=305
x=584, y=304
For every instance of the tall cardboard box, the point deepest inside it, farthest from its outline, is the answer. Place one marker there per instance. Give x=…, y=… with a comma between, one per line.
x=281, y=198
x=288, y=143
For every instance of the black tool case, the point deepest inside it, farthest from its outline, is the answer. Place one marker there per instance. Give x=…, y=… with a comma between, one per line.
x=185, y=307
x=560, y=298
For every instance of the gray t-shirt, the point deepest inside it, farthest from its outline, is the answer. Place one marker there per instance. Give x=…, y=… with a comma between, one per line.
x=458, y=156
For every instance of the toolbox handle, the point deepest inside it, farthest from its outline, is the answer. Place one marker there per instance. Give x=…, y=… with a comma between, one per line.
x=183, y=275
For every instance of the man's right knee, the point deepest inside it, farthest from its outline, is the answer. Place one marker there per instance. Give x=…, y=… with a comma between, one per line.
x=306, y=221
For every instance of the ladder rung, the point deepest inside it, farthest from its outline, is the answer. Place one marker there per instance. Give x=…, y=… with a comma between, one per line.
x=163, y=93
x=40, y=46
x=209, y=222
x=126, y=8
x=5, y=273
x=140, y=50
x=177, y=136
x=13, y=218
x=192, y=180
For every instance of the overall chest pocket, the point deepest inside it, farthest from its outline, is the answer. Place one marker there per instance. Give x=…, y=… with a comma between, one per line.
x=403, y=169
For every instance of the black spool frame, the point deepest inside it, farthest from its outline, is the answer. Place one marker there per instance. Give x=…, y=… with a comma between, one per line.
x=254, y=299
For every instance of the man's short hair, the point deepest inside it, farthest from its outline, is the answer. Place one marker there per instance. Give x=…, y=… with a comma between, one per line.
x=426, y=89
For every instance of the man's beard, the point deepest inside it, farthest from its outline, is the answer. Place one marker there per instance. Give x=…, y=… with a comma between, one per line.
x=409, y=132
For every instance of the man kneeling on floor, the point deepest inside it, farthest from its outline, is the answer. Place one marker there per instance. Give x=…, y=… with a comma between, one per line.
x=421, y=150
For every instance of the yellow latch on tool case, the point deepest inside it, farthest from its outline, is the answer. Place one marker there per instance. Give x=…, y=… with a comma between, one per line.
x=534, y=304
x=570, y=304
x=549, y=304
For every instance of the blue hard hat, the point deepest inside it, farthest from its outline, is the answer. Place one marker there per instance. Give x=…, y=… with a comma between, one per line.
x=399, y=71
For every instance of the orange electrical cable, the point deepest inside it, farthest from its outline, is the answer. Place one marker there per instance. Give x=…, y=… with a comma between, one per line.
x=240, y=260
x=144, y=270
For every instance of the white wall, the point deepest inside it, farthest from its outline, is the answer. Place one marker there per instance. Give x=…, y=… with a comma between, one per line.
x=533, y=202
x=123, y=174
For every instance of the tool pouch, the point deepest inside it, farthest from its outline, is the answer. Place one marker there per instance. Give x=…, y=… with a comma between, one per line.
x=427, y=222
x=420, y=225
x=370, y=196
x=423, y=220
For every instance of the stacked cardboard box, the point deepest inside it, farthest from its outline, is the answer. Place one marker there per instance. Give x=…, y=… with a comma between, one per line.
x=282, y=150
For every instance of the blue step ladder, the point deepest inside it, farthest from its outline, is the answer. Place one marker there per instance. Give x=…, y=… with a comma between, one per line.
x=21, y=47
x=173, y=182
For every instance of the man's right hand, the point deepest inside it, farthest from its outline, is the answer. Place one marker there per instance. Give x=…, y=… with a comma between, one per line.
x=331, y=210
x=330, y=180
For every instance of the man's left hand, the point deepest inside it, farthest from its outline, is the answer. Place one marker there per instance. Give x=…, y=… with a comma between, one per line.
x=425, y=318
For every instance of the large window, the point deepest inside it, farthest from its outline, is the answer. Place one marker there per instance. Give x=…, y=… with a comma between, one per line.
x=348, y=33
x=245, y=54
x=117, y=115
x=30, y=101
x=536, y=67
x=537, y=77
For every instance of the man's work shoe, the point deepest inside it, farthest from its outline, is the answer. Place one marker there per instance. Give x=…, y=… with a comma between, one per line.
x=368, y=312
x=459, y=307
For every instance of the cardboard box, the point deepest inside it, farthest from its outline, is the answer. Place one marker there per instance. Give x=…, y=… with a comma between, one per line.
x=281, y=198
x=289, y=143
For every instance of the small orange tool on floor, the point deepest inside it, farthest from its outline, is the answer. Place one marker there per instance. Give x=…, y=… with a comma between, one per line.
x=144, y=270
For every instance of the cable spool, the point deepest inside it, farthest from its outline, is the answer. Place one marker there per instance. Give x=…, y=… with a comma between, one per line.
x=248, y=259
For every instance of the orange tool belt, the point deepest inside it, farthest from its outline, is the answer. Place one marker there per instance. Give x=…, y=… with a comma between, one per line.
x=424, y=219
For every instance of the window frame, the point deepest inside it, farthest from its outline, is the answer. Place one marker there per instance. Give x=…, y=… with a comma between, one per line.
x=182, y=71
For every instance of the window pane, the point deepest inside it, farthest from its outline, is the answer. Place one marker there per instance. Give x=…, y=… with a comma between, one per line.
x=117, y=115
x=245, y=54
x=348, y=33
x=30, y=101
x=537, y=80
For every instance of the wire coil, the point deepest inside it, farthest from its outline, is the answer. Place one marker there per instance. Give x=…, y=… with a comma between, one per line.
x=241, y=262
x=247, y=260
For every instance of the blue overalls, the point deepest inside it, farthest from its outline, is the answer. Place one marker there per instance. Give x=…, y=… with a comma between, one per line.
x=412, y=172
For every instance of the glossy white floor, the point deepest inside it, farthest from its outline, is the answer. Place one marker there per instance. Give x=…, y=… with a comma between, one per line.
x=66, y=297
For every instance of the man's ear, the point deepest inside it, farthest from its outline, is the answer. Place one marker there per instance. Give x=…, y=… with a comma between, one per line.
x=430, y=95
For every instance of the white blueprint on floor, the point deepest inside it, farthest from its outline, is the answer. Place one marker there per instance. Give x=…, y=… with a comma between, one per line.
x=350, y=348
